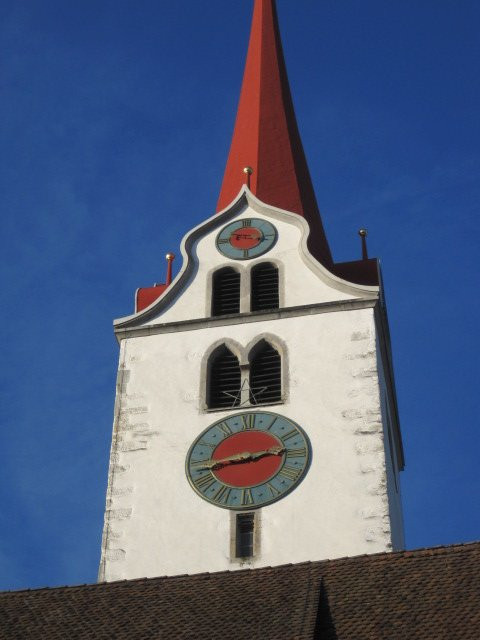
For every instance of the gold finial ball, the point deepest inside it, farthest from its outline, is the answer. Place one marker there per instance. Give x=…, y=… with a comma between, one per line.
x=248, y=170
x=170, y=256
x=362, y=232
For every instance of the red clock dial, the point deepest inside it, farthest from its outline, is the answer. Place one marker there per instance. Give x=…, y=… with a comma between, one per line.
x=252, y=470
x=246, y=238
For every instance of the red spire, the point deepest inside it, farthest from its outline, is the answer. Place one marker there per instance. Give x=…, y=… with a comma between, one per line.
x=266, y=135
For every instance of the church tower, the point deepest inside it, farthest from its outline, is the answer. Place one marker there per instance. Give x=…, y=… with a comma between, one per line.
x=255, y=417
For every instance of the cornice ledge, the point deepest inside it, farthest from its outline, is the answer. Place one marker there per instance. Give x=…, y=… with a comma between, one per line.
x=122, y=332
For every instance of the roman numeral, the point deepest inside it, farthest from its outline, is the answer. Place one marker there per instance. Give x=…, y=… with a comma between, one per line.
x=271, y=424
x=246, y=223
x=273, y=490
x=222, y=495
x=194, y=463
x=247, y=497
x=248, y=421
x=204, y=482
x=223, y=240
x=296, y=453
x=245, y=253
x=290, y=434
x=206, y=444
x=225, y=429
x=289, y=472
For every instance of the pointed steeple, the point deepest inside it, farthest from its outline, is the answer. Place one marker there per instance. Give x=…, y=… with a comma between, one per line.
x=266, y=136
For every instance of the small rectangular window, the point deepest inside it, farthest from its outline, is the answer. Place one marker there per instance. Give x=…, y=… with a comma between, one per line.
x=244, y=538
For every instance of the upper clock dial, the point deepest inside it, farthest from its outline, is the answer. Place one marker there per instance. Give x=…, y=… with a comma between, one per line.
x=246, y=238
x=248, y=460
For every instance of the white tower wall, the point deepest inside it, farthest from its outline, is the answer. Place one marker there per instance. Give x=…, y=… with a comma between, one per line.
x=155, y=523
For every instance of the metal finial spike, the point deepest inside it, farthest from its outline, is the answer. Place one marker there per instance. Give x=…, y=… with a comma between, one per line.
x=170, y=258
x=363, y=235
x=248, y=172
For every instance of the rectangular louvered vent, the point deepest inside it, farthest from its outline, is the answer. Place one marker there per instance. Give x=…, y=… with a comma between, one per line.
x=224, y=381
x=244, y=535
x=264, y=287
x=226, y=292
x=266, y=376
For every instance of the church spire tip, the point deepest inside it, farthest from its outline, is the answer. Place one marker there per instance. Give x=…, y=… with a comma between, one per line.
x=266, y=137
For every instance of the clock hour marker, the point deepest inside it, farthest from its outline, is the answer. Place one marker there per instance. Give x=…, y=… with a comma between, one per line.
x=289, y=472
x=273, y=490
x=205, y=482
x=248, y=421
x=222, y=494
x=247, y=497
x=290, y=434
x=225, y=429
x=272, y=423
x=246, y=223
x=296, y=453
x=207, y=444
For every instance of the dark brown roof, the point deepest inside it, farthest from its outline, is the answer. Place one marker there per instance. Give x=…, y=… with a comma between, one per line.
x=425, y=594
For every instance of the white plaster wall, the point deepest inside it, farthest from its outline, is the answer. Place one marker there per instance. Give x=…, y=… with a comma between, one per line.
x=155, y=523
x=301, y=283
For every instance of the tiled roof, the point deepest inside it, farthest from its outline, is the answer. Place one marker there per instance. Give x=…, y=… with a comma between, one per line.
x=425, y=594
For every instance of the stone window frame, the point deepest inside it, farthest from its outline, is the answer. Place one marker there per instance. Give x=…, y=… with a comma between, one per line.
x=243, y=354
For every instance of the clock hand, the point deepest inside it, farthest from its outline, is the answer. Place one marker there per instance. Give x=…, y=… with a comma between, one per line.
x=273, y=451
x=240, y=457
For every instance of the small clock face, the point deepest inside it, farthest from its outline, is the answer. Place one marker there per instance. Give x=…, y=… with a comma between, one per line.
x=247, y=238
x=248, y=460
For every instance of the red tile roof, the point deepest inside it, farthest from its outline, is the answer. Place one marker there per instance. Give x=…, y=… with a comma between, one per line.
x=420, y=595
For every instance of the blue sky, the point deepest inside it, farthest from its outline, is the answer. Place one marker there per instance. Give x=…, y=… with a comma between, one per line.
x=115, y=122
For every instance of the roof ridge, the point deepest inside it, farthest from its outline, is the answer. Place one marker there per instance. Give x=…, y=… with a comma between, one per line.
x=387, y=555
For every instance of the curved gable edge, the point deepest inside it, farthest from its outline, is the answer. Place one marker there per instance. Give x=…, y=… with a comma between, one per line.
x=189, y=260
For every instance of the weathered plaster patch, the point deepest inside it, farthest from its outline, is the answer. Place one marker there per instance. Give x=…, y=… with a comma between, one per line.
x=119, y=514
x=133, y=411
x=370, y=372
x=369, y=428
x=125, y=425
x=114, y=555
x=360, y=335
x=360, y=356
x=129, y=446
x=123, y=491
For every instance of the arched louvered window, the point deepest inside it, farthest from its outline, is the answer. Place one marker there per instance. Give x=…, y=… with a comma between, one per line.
x=225, y=292
x=265, y=374
x=264, y=287
x=224, y=380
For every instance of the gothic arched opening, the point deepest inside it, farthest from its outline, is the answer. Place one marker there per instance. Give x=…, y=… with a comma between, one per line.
x=223, y=379
x=265, y=374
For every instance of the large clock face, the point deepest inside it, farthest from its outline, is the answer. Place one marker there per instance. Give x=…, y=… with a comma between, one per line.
x=246, y=238
x=248, y=460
